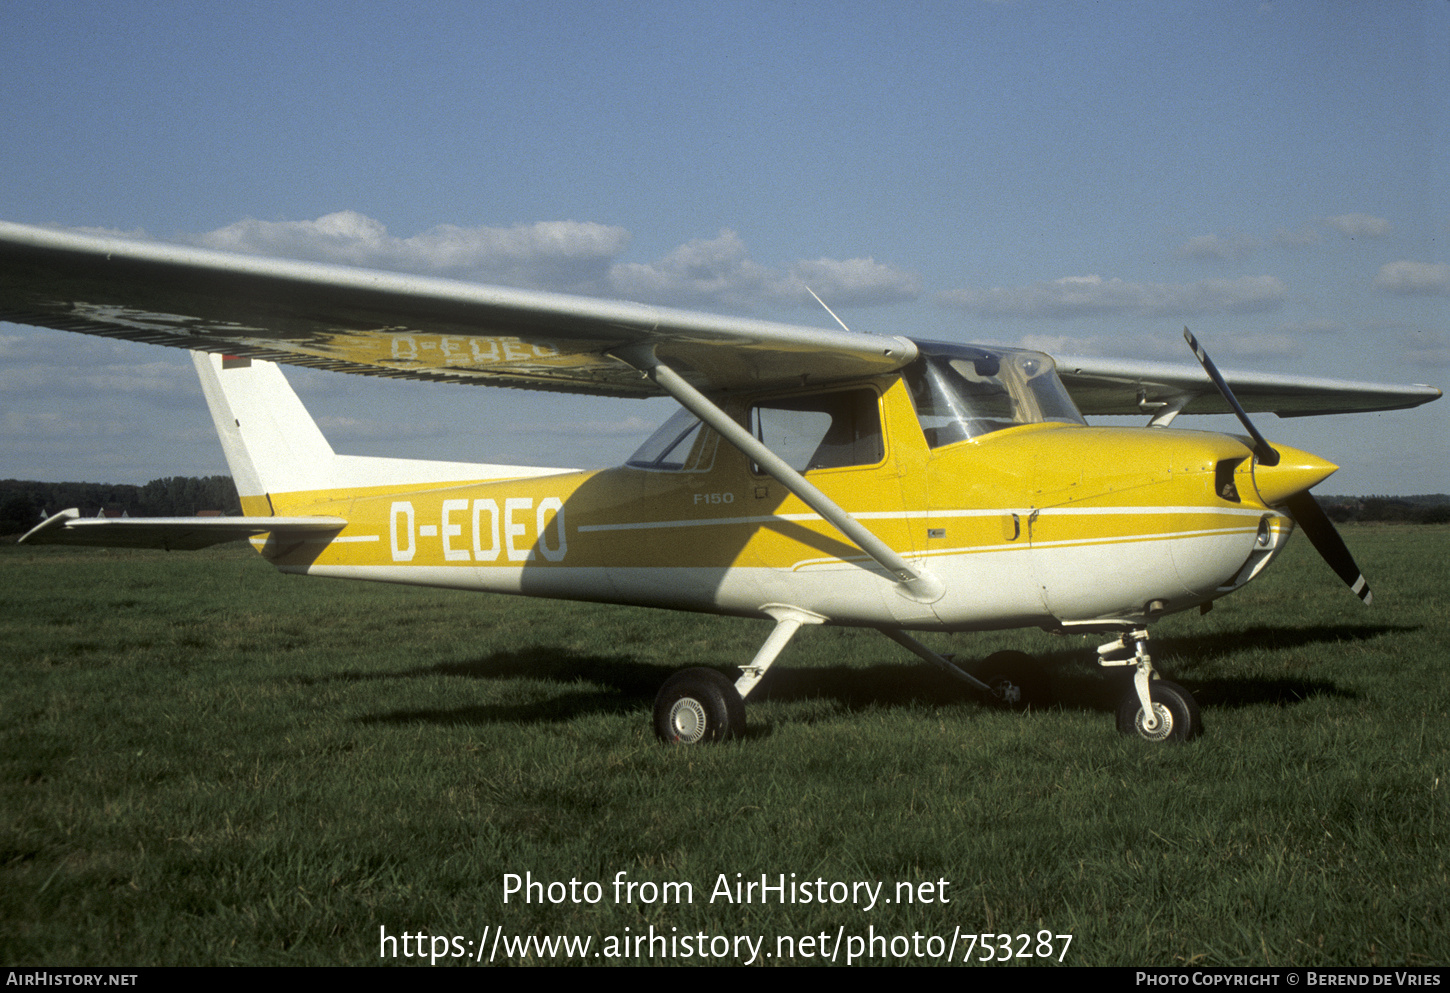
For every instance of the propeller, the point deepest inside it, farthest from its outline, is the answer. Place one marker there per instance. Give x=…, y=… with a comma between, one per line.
x=1263, y=451
x=1292, y=495
x=1326, y=540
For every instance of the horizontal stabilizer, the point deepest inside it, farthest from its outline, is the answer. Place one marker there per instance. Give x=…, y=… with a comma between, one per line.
x=172, y=533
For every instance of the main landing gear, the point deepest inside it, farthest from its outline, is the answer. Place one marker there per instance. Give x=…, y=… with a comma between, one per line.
x=701, y=705
x=1155, y=709
x=698, y=705
x=1015, y=680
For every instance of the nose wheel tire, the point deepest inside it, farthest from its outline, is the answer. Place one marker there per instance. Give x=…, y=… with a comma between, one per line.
x=1177, y=711
x=698, y=706
x=1016, y=680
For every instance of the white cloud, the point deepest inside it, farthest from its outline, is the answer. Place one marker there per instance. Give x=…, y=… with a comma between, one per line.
x=572, y=256
x=1351, y=226
x=1061, y=344
x=1261, y=345
x=24, y=348
x=1359, y=225
x=135, y=234
x=45, y=424
x=1427, y=348
x=630, y=426
x=857, y=281
x=162, y=381
x=546, y=254
x=1078, y=296
x=337, y=429
x=1415, y=278
x=1310, y=327
x=719, y=270
x=1301, y=238
x=1217, y=248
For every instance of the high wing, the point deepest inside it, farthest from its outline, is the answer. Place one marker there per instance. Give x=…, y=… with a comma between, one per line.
x=1125, y=386
x=392, y=324
x=174, y=533
x=415, y=327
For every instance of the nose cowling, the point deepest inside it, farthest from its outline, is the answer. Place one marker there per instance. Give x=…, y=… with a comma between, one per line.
x=1295, y=473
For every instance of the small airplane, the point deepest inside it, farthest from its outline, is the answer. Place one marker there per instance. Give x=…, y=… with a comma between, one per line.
x=810, y=476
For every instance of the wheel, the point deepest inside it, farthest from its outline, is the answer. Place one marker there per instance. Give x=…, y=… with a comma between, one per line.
x=1178, y=718
x=698, y=705
x=1016, y=679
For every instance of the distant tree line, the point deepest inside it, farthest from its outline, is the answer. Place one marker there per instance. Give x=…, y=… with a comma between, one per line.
x=24, y=503
x=1430, y=509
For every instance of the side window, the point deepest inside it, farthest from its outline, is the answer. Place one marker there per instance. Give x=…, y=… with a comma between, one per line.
x=682, y=443
x=821, y=431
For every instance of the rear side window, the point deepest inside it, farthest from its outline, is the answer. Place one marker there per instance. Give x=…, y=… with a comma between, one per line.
x=822, y=430
x=682, y=444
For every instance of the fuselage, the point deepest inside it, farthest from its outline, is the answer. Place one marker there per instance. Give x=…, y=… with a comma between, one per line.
x=1047, y=522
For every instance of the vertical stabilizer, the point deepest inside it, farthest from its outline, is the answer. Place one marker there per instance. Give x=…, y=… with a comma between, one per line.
x=271, y=443
x=274, y=447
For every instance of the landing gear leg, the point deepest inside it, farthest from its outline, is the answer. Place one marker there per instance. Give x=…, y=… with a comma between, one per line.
x=788, y=620
x=700, y=705
x=1009, y=679
x=1155, y=709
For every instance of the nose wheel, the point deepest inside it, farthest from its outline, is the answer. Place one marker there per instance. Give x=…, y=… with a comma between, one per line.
x=1174, y=710
x=1154, y=709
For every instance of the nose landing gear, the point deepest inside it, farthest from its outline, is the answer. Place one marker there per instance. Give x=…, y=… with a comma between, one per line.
x=1155, y=710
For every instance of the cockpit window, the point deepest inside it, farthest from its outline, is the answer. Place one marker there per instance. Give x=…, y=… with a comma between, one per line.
x=681, y=444
x=963, y=391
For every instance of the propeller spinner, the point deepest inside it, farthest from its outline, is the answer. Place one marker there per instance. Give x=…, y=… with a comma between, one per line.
x=1287, y=485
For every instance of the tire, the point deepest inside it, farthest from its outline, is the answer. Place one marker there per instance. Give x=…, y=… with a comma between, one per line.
x=697, y=706
x=1177, y=713
x=1016, y=679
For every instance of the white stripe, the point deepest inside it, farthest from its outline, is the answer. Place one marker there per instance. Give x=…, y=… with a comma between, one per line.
x=259, y=541
x=1141, y=537
x=887, y=515
x=1025, y=546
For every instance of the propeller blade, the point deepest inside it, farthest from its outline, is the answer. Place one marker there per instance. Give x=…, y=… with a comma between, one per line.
x=1263, y=451
x=1326, y=540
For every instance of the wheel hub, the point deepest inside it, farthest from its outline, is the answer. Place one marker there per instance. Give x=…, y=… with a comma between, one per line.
x=1007, y=691
x=687, y=719
x=1165, y=723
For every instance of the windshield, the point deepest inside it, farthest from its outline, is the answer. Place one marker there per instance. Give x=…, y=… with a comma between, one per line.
x=965, y=391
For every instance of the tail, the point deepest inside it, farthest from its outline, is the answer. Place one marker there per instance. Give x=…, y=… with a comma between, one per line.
x=272, y=444
x=278, y=456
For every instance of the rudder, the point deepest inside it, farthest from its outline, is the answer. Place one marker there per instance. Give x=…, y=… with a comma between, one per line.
x=271, y=443
x=274, y=447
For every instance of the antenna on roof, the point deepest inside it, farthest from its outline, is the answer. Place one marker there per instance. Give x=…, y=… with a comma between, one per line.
x=828, y=309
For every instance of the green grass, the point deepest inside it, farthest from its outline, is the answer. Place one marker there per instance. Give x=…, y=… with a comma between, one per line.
x=205, y=762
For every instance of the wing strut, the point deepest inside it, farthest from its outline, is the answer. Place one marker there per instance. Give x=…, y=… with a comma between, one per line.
x=913, y=582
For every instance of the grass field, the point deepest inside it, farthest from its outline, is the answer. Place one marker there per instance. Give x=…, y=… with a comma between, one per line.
x=205, y=762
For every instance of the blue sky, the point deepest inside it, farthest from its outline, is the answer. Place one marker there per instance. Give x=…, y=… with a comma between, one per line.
x=1082, y=177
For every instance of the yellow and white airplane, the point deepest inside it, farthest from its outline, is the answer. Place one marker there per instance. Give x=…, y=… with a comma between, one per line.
x=810, y=476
